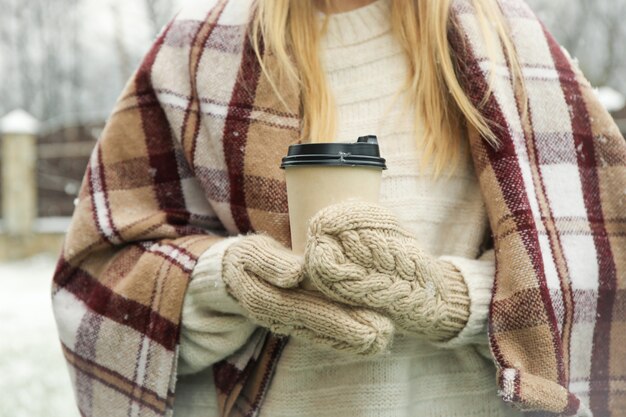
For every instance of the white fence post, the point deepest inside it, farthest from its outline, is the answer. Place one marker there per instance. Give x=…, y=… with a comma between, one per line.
x=19, y=184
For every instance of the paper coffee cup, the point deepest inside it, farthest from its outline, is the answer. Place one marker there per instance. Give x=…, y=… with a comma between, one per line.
x=321, y=174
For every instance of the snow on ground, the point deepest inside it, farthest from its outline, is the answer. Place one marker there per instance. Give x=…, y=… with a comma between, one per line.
x=33, y=377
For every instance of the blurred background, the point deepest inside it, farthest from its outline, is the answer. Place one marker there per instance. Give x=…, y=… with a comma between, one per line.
x=62, y=65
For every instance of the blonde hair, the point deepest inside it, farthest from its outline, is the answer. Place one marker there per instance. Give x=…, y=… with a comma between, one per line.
x=290, y=33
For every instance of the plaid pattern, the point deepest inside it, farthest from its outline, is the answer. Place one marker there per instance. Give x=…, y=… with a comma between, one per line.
x=190, y=154
x=555, y=195
x=192, y=151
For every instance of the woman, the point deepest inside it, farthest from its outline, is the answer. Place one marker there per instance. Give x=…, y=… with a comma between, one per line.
x=184, y=188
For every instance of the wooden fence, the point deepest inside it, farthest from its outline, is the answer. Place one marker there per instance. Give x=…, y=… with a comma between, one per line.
x=41, y=171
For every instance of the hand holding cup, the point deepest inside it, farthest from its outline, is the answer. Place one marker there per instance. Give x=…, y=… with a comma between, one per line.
x=358, y=254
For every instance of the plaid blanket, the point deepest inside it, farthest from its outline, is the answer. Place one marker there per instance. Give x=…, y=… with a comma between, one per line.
x=191, y=154
x=556, y=195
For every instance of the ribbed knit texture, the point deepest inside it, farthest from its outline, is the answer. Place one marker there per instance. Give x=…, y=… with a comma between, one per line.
x=209, y=309
x=366, y=70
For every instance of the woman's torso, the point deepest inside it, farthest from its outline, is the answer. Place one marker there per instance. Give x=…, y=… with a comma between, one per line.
x=366, y=69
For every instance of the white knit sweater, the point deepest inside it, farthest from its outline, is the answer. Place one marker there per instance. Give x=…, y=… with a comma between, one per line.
x=366, y=70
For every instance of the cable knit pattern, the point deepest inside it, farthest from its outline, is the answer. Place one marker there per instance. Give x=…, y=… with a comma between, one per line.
x=358, y=253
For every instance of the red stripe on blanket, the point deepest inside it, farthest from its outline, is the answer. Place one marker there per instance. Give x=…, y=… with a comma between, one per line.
x=506, y=167
x=227, y=376
x=159, y=140
x=104, y=301
x=276, y=347
x=236, y=133
x=583, y=141
x=162, y=149
x=556, y=247
x=116, y=381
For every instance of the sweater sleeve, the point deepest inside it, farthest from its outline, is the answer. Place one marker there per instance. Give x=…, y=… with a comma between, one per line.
x=479, y=276
x=214, y=325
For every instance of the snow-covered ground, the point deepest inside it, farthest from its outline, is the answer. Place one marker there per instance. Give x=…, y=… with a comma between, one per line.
x=33, y=377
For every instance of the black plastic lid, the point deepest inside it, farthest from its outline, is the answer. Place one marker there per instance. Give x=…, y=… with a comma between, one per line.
x=364, y=152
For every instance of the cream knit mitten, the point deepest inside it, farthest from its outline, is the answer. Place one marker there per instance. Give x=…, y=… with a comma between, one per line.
x=357, y=253
x=262, y=275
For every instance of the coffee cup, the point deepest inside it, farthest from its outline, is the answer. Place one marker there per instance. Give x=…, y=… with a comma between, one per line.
x=321, y=174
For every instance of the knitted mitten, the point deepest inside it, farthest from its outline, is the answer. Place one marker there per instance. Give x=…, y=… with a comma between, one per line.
x=262, y=275
x=358, y=254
